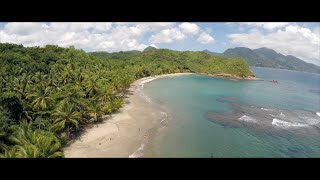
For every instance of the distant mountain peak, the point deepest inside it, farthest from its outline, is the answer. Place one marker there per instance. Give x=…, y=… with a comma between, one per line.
x=149, y=48
x=266, y=50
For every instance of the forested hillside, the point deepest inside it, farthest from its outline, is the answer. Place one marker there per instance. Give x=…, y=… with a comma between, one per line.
x=265, y=57
x=47, y=95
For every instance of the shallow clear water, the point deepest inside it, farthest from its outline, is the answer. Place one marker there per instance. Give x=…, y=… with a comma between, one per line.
x=207, y=115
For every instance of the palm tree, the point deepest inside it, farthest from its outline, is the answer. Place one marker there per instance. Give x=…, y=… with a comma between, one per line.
x=40, y=77
x=8, y=151
x=71, y=93
x=94, y=110
x=107, y=108
x=107, y=93
x=113, y=105
x=42, y=123
x=22, y=85
x=126, y=81
x=51, y=82
x=92, y=85
x=42, y=99
x=66, y=76
x=25, y=115
x=32, y=144
x=67, y=118
x=3, y=84
x=117, y=103
x=81, y=75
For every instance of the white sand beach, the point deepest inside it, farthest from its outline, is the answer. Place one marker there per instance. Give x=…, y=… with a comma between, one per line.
x=128, y=132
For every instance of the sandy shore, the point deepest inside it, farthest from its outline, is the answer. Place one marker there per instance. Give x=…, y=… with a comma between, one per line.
x=127, y=133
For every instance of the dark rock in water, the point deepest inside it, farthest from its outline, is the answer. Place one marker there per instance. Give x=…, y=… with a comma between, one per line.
x=265, y=119
x=243, y=115
x=274, y=81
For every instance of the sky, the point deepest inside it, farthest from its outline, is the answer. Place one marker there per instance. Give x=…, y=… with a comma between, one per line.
x=299, y=39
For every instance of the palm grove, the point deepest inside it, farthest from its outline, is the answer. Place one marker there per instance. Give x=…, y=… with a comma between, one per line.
x=48, y=95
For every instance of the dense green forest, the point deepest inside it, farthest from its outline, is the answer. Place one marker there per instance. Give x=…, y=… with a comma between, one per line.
x=48, y=95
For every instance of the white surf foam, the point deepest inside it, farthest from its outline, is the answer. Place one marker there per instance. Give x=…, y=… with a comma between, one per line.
x=146, y=81
x=144, y=96
x=138, y=152
x=165, y=116
x=266, y=109
x=141, y=84
x=281, y=115
x=310, y=120
x=318, y=113
x=247, y=119
x=285, y=124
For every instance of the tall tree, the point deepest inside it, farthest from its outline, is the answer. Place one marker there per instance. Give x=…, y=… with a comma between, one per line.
x=94, y=110
x=66, y=118
x=32, y=144
x=42, y=99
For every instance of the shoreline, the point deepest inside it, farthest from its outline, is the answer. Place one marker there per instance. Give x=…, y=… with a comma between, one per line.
x=127, y=133
x=130, y=131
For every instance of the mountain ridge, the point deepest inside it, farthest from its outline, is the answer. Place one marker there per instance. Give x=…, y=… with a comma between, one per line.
x=266, y=57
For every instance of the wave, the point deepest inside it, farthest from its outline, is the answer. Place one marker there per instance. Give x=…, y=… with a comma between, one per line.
x=144, y=96
x=318, y=113
x=285, y=124
x=247, y=119
x=165, y=114
x=146, y=81
x=138, y=152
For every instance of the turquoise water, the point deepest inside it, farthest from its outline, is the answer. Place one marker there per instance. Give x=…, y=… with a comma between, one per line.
x=207, y=115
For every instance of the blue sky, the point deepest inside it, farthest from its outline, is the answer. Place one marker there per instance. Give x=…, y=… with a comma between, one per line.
x=299, y=39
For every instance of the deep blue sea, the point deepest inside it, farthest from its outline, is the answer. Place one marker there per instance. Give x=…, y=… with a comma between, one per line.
x=215, y=117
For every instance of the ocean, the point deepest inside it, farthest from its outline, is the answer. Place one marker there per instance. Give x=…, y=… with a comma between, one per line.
x=215, y=117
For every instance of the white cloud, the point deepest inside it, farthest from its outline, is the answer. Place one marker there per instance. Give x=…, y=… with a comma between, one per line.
x=205, y=38
x=90, y=36
x=22, y=28
x=149, y=26
x=80, y=27
x=183, y=31
x=264, y=25
x=292, y=40
x=267, y=25
x=189, y=28
x=102, y=36
x=316, y=30
x=167, y=36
